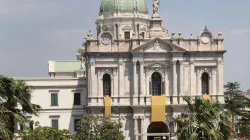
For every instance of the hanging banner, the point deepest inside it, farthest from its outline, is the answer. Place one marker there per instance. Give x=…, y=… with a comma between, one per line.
x=158, y=109
x=107, y=104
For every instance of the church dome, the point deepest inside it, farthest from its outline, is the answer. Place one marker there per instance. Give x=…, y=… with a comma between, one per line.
x=123, y=6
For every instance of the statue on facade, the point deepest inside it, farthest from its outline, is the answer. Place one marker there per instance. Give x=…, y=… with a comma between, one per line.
x=156, y=6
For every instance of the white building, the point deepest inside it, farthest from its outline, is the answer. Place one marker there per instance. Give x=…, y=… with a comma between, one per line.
x=135, y=67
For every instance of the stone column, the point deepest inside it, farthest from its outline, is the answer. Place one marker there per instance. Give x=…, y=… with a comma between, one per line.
x=135, y=128
x=142, y=92
x=220, y=80
x=115, y=83
x=174, y=83
x=197, y=84
x=166, y=83
x=181, y=78
x=134, y=78
x=93, y=79
x=214, y=81
x=121, y=78
x=147, y=83
x=135, y=99
x=143, y=129
x=210, y=85
x=89, y=79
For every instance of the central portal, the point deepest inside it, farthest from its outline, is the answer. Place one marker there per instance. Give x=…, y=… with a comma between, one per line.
x=157, y=127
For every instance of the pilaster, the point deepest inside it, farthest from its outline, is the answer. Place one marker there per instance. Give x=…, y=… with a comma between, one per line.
x=135, y=128
x=174, y=82
x=166, y=83
x=135, y=93
x=143, y=129
x=214, y=82
x=192, y=82
x=142, y=92
x=181, y=78
x=93, y=79
x=115, y=86
x=181, y=81
x=121, y=78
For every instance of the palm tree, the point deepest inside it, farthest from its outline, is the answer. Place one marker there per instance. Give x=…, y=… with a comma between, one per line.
x=4, y=132
x=235, y=102
x=15, y=98
x=203, y=120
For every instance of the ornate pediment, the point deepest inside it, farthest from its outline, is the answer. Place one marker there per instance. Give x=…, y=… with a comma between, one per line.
x=157, y=65
x=158, y=45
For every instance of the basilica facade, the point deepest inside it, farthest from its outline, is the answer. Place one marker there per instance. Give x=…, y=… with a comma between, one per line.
x=134, y=71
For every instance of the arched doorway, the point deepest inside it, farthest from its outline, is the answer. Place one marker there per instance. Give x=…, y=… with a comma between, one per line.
x=157, y=127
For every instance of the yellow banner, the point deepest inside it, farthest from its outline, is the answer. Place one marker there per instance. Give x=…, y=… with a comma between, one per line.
x=107, y=104
x=158, y=109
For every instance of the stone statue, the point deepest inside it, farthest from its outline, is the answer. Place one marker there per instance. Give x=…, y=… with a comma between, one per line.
x=156, y=6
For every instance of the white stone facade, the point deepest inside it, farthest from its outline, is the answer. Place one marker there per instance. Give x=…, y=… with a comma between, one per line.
x=130, y=63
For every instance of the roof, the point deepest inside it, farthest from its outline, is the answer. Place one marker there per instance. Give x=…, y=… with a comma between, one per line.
x=64, y=66
x=123, y=5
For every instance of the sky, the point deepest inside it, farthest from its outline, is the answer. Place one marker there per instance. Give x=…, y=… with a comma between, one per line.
x=33, y=32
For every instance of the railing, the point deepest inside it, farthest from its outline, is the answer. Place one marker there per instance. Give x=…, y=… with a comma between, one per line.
x=145, y=101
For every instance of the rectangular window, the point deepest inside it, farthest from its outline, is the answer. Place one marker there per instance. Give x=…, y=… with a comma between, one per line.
x=31, y=125
x=75, y=123
x=77, y=99
x=54, y=99
x=21, y=126
x=127, y=35
x=54, y=124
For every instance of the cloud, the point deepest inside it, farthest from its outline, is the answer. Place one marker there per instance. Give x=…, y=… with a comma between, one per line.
x=240, y=31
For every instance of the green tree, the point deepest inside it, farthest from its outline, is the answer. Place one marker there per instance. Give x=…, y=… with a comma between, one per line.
x=98, y=128
x=15, y=98
x=45, y=133
x=203, y=120
x=236, y=103
x=4, y=132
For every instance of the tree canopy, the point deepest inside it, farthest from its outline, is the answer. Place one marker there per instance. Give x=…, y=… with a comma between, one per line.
x=45, y=133
x=15, y=102
x=98, y=128
x=203, y=120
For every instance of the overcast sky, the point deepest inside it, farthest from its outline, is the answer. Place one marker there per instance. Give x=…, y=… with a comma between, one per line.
x=32, y=32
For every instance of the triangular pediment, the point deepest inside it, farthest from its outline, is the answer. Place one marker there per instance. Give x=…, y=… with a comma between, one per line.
x=157, y=65
x=158, y=45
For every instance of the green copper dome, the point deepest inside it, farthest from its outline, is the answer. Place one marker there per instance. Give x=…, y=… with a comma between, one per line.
x=123, y=5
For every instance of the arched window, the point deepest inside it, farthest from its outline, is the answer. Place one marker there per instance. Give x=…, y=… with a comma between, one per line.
x=106, y=85
x=138, y=30
x=116, y=32
x=205, y=83
x=156, y=83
